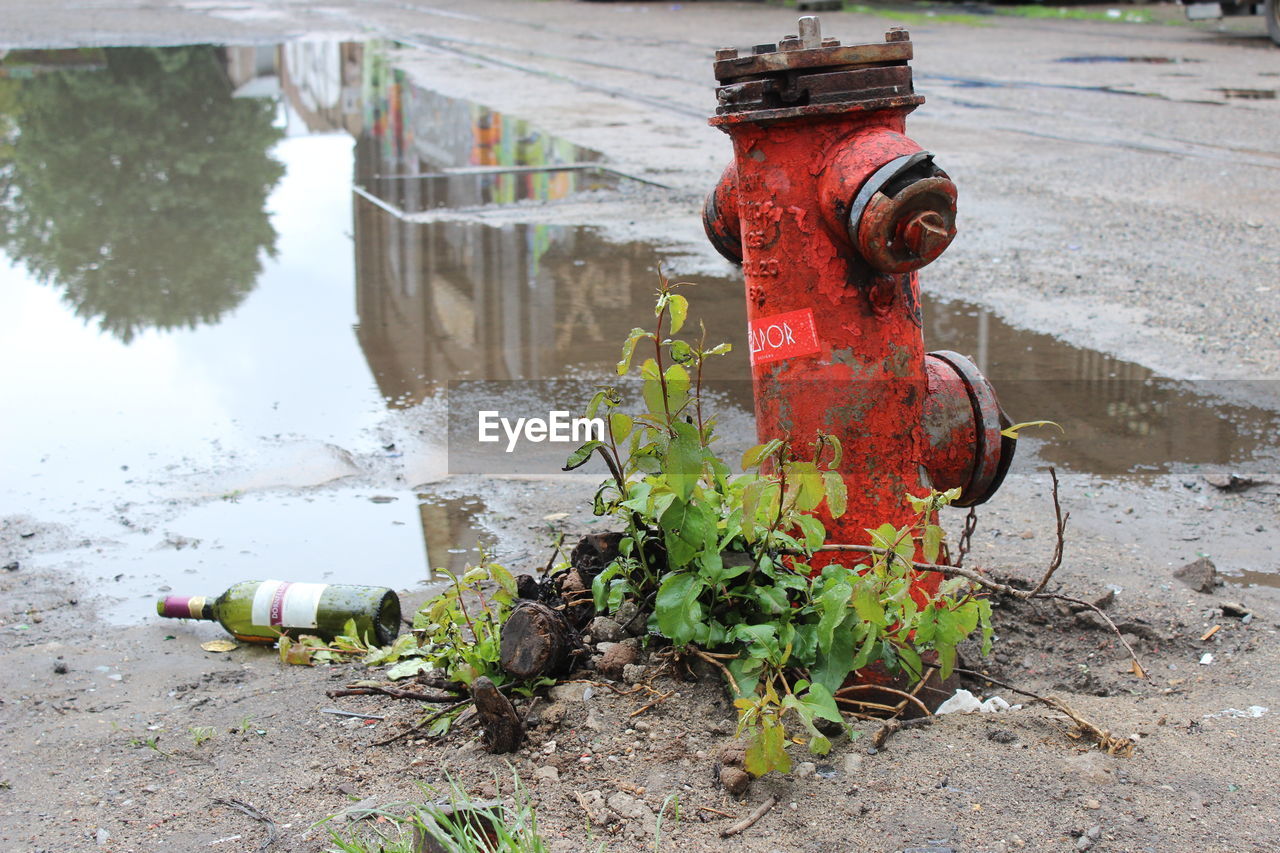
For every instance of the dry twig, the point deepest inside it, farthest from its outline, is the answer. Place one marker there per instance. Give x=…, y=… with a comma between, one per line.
x=1106, y=741
x=239, y=805
x=749, y=821
x=393, y=692
x=422, y=725
x=966, y=535
x=907, y=697
x=662, y=698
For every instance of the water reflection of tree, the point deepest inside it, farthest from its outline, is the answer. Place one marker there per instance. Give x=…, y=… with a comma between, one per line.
x=140, y=189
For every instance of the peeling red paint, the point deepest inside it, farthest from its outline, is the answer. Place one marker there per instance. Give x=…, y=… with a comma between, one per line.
x=866, y=208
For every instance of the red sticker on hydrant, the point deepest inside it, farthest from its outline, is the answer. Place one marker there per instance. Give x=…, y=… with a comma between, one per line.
x=783, y=336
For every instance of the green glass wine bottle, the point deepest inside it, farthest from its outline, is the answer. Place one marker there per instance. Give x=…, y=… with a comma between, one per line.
x=259, y=611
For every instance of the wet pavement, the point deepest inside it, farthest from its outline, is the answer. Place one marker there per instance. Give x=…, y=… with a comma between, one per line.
x=222, y=296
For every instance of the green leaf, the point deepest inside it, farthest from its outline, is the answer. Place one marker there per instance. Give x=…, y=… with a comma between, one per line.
x=932, y=543
x=620, y=426
x=867, y=604
x=821, y=702
x=755, y=455
x=677, y=388
x=408, y=668
x=678, y=306
x=683, y=463
x=681, y=352
x=1012, y=431
x=504, y=578
x=772, y=599
x=837, y=493
x=720, y=349
x=808, y=483
x=910, y=661
x=834, y=604
x=676, y=607
x=863, y=657
x=767, y=750
x=814, y=533
x=629, y=348
x=946, y=659
x=600, y=585
x=596, y=399
x=579, y=457
x=833, y=666
x=746, y=673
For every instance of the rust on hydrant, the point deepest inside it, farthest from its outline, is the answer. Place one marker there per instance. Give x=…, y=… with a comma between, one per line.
x=831, y=209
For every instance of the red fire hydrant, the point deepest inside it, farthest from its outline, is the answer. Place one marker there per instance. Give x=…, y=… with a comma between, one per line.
x=830, y=209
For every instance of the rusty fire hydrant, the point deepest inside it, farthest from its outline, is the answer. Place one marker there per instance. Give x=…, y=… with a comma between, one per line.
x=830, y=209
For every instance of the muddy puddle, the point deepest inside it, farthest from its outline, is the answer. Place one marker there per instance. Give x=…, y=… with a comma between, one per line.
x=229, y=344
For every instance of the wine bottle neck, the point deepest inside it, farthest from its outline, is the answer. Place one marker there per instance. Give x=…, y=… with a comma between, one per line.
x=185, y=607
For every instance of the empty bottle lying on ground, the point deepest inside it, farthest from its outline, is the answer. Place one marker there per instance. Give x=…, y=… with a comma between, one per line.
x=259, y=611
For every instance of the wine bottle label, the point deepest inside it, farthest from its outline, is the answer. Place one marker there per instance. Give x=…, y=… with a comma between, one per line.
x=183, y=606
x=287, y=605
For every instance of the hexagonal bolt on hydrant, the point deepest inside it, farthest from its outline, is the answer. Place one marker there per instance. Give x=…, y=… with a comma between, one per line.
x=830, y=209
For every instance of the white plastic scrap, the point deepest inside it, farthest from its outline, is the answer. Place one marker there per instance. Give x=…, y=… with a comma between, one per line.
x=1253, y=711
x=964, y=702
x=1206, y=659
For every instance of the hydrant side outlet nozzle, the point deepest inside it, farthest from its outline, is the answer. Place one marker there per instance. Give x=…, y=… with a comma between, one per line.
x=831, y=208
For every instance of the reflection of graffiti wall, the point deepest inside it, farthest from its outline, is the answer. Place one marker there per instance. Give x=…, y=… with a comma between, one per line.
x=444, y=300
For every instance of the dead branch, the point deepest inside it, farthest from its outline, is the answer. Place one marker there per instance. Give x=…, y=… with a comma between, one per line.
x=906, y=697
x=966, y=535
x=882, y=735
x=662, y=698
x=1060, y=529
x=714, y=660
x=750, y=820
x=393, y=692
x=422, y=725
x=714, y=811
x=239, y=805
x=1106, y=741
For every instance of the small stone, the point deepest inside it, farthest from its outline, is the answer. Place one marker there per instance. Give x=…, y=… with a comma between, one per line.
x=547, y=773
x=805, y=769
x=13, y=567
x=1001, y=736
x=626, y=617
x=634, y=673
x=1091, y=804
x=568, y=693
x=1092, y=766
x=592, y=802
x=618, y=657
x=605, y=629
x=853, y=764
x=1202, y=575
x=102, y=836
x=631, y=808
x=60, y=667
x=735, y=780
